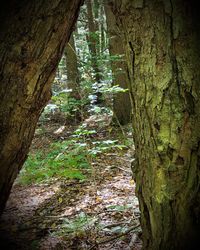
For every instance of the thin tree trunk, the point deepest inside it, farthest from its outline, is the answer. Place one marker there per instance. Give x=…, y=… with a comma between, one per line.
x=163, y=53
x=102, y=29
x=121, y=103
x=72, y=68
x=92, y=41
x=32, y=38
x=92, y=44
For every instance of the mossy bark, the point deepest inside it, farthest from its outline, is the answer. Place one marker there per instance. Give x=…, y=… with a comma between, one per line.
x=163, y=54
x=32, y=38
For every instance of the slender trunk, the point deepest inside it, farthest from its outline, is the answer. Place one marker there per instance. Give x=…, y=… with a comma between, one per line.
x=72, y=68
x=163, y=53
x=121, y=102
x=92, y=41
x=32, y=38
x=102, y=29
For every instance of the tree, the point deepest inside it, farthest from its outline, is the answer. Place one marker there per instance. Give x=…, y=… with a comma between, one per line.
x=93, y=45
x=33, y=35
x=72, y=68
x=162, y=48
x=121, y=104
x=92, y=40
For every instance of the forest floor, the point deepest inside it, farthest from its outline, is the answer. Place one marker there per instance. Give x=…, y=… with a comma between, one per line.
x=101, y=212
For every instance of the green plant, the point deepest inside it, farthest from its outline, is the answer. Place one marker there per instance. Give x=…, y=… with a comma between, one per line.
x=69, y=159
x=57, y=162
x=77, y=226
x=94, y=147
x=112, y=89
x=104, y=146
x=67, y=104
x=83, y=132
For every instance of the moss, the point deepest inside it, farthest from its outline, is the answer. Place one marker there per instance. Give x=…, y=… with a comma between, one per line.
x=160, y=148
x=164, y=135
x=161, y=188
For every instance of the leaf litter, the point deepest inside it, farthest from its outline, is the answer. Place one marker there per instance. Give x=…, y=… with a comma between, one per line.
x=101, y=212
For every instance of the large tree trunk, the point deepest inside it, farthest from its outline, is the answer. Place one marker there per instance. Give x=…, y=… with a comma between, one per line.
x=121, y=102
x=32, y=38
x=163, y=53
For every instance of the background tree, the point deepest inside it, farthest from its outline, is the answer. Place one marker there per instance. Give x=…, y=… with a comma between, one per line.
x=93, y=45
x=33, y=36
x=72, y=68
x=162, y=49
x=121, y=101
x=92, y=38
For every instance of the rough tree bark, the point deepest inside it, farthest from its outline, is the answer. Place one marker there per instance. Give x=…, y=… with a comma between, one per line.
x=121, y=102
x=163, y=53
x=32, y=38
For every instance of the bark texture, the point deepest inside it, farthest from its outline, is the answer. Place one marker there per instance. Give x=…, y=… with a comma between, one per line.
x=163, y=53
x=121, y=102
x=32, y=38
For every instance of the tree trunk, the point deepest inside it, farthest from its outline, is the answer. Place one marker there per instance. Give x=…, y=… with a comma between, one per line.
x=163, y=53
x=92, y=40
x=121, y=104
x=103, y=31
x=93, y=44
x=72, y=68
x=32, y=38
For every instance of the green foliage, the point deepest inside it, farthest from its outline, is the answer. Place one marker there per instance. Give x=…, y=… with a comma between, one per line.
x=112, y=89
x=68, y=105
x=104, y=146
x=82, y=132
x=58, y=162
x=94, y=147
x=69, y=159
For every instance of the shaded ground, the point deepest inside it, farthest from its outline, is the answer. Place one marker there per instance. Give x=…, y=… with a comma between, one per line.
x=99, y=213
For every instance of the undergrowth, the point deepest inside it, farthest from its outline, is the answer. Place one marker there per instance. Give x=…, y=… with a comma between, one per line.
x=57, y=162
x=70, y=159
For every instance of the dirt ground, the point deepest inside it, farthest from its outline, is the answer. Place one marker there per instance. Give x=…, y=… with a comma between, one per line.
x=99, y=213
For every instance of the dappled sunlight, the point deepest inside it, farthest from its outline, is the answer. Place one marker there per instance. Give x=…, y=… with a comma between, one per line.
x=103, y=207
